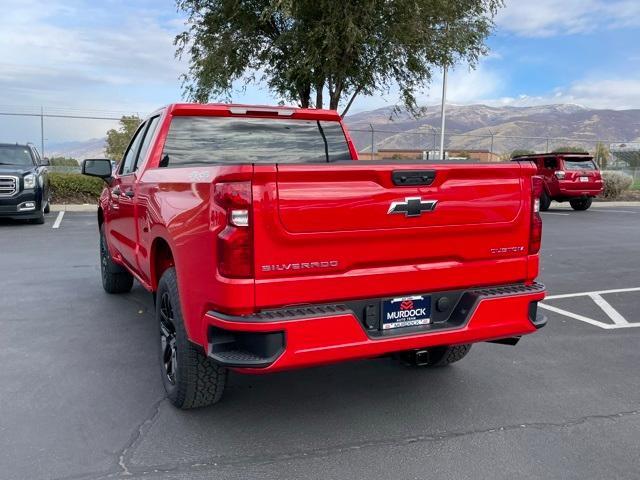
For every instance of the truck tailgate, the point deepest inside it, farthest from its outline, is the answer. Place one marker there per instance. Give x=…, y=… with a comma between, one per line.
x=347, y=230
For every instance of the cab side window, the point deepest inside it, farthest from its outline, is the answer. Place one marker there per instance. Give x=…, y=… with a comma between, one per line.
x=146, y=143
x=550, y=163
x=129, y=160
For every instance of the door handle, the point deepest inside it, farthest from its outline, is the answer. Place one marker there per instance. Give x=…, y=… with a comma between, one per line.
x=410, y=178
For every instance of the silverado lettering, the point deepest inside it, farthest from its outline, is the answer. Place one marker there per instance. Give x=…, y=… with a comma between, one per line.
x=209, y=199
x=299, y=266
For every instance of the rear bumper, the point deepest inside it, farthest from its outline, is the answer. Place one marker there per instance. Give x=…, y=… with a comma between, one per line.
x=316, y=335
x=576, y=190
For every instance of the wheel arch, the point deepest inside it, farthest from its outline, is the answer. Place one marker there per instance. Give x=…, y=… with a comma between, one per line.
x=161, y=258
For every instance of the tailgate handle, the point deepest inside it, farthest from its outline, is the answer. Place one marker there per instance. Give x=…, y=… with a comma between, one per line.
x=413, y=177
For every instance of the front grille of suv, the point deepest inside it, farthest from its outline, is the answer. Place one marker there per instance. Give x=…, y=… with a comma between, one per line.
x=8, y=185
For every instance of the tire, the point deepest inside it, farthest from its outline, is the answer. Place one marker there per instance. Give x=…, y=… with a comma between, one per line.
x=545, y=201
x=581, y=204
x=190, y=379
x=39, y=220
x=115, y=279
x=47, y=207
x=438, y=356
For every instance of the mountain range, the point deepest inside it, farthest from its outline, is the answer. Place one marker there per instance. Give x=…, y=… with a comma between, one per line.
x=502, y=129
x=92, y=148
x=468, y=127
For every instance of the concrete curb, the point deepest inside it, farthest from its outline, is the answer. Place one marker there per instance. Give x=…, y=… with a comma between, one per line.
x=74, y=208
x=606, y=204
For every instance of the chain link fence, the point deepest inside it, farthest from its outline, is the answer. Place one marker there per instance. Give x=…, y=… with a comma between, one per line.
x=377, y=142
x=42, y=126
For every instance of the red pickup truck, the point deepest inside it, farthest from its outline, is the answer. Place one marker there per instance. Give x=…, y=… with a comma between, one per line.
x=567, y=176
x=269, y=246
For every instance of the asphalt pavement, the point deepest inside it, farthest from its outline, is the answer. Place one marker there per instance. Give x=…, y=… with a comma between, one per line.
x=81, y=394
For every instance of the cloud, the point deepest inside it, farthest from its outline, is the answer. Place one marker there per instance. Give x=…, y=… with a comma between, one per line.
x=466, y=86
x=546, y=18
x=617, y=94
x=62, y=52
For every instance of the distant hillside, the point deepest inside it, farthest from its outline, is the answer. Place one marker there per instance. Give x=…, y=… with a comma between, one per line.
x=507, y=124
x=568, y=121
x=92, y=148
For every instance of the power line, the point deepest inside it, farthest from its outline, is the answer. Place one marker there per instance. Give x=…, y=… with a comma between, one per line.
x=52, y=115
x=64, y=110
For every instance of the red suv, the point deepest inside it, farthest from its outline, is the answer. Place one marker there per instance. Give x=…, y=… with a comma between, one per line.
x=567, y=176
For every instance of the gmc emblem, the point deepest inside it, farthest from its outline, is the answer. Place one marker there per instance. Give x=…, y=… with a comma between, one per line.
x=412, y=206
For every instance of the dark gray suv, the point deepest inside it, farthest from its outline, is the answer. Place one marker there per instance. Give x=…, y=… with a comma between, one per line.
x=24, y=183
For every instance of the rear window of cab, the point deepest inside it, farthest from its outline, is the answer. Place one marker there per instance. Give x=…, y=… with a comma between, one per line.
x=201, y=140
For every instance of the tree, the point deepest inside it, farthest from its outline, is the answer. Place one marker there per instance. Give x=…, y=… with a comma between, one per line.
x=302, y=48
x=519, y=152
x=569, y=150
x=602, y=155
x=63, y=162
x=118, y=140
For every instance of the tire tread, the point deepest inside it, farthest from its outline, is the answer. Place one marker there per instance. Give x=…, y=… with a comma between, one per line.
x=115, y=279
x=453, y=354
x=201, y=381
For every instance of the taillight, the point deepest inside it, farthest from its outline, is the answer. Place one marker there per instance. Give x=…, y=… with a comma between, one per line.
x=560, y=174
x=235, y=241
x=535, y=233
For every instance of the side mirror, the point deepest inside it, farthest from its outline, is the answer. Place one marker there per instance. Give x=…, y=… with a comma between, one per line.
x=45, y=162
x=97, y=167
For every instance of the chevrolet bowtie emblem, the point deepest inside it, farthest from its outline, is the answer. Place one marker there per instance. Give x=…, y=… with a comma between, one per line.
x=412, y=206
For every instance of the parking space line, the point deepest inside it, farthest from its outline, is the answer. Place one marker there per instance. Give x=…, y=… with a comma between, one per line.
x=576, y=316
x=606, y=307
x=58, y=221
x=605, y=209
x=596, y=292
x=618, y=320
x=597, y=210
x=554, y=213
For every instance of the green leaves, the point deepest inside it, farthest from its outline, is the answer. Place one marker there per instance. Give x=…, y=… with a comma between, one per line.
x=74, y=188
x=333, y=50
x=118, y=140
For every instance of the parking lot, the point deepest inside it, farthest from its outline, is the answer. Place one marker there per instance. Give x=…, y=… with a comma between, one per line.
x=81, y=394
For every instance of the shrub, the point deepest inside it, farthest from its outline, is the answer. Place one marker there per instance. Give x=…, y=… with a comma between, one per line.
x=63, y=162
x=74, y=188
x=615, y=183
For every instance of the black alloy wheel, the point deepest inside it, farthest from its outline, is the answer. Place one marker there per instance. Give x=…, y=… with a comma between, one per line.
x=168, y=347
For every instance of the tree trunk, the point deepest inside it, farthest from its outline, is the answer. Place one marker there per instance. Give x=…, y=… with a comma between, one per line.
x=335, y=100
x=334, y=97
x=305, y=96
x=319, y=92
x=353, y=97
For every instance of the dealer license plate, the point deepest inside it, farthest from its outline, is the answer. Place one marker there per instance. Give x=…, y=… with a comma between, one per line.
x=406, y=312
x=584, y=179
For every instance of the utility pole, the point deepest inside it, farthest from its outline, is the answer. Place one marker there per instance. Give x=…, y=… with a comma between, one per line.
x=372, y=140
x=442, y=111
x=42, y=131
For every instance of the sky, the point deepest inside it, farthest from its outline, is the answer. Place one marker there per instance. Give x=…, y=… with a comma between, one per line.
x=116, y=57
